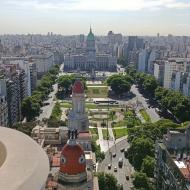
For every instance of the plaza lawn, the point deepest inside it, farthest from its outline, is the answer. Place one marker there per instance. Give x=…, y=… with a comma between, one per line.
x=105, y=132
x=66, y=104
x=94, y=133
x=97, y=92
x=91, y=106
x=118, y=133
x=145, y=115
x=122, y=123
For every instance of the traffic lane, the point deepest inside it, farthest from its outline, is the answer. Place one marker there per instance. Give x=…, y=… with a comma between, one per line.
x=151, y=111
x=46, y=110
x=121, y=173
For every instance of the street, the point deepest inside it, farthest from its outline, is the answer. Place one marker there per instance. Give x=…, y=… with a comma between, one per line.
x=121, y=173
x=151, y=111
x=46, y=110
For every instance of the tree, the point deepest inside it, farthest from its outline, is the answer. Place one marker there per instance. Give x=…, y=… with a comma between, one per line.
x=25, y=128
x=107, y=182
x=64, y=83
x=141, y=181
x=150, y=84
x=30, y=108
x=148, y=166
x=119, y=85
x=111, y=78
x=96, y=148
x=139, y=149
x=122, y=61
x=175, y=102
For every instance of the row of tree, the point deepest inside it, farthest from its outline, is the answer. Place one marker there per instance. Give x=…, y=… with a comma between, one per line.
x=169, y=100
x=31, y=105
x=96, y=149
x=174, y=102
x=120, y=83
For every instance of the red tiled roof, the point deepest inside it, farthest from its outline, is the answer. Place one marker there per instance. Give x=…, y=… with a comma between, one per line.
x=78, y=87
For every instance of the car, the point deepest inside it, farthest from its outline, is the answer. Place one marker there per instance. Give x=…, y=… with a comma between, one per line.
x=46, y=103
x=109, y=166
x=125, y=153
x=114, y=154
x=122, y=150
x=115, y=169
x=127, y=177
x=157, y=110
x=120, y=162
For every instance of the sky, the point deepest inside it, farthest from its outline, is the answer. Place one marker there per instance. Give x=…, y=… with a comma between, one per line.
x=69, y=17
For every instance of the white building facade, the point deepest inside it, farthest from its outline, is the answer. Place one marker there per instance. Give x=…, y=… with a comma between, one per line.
x=90, y=60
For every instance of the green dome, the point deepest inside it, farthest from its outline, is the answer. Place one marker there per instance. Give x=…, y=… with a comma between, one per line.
x=90, y=36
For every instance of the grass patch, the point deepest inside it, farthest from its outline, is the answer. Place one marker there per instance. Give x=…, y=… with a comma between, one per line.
x=56, y=112
x=118, y=133
x=66, y=104
x=105, y=133
x=91, y=106
x=145, y=115
x=97, y=92
x=95, y=85
x=94, y=133
x=94, y=130
x=122, y=123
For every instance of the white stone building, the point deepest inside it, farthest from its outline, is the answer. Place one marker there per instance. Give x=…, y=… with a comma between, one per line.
x=90, y=60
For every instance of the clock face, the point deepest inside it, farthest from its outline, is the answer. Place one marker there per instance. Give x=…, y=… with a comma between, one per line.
x=82, y=159
x=63, y=160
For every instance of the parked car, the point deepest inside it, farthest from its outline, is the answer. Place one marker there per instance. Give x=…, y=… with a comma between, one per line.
x=120, y=162
x=114, y=154
x=109, y=166
x=115, y=169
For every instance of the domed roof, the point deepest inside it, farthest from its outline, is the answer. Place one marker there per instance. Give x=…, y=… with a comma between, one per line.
x=72, y=159
x=90, y=36
x=78, y=87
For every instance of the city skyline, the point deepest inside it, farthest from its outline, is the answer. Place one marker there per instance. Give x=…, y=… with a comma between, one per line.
x=139, y=17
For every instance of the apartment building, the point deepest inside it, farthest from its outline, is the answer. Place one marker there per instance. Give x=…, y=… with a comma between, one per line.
x=159, y=71
x=14, y=85
x=172, y=170
x=3, y=105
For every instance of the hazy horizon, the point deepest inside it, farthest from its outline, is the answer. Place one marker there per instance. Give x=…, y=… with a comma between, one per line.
x=73, y=17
